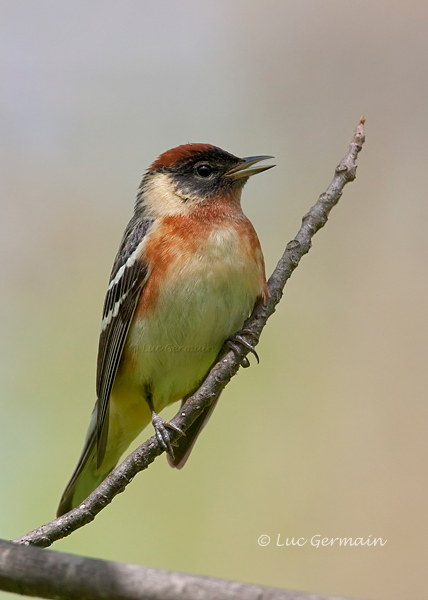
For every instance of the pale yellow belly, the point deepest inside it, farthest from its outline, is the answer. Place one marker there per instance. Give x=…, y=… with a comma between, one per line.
x=174, y=347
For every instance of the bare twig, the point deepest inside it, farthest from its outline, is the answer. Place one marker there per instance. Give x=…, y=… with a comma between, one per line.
x=34, y=572
x=221, y=373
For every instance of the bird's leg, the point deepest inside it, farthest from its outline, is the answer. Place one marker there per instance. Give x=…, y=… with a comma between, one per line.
x=161, y=426
x=237, y=338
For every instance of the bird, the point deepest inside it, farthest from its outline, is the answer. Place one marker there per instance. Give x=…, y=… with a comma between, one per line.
x=187, y=274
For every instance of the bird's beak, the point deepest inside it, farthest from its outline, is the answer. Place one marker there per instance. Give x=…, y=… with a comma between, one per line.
x=244, y=168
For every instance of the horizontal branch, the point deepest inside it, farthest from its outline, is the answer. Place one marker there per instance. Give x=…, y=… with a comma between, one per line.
x=221, y=373
x=35, y=572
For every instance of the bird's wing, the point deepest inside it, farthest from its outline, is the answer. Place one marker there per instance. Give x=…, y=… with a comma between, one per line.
x=127, y=280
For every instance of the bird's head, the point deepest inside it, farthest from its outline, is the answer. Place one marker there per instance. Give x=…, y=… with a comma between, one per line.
x=192, y=174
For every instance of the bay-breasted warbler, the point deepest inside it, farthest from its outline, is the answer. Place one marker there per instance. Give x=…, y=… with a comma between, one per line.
x=187, y=274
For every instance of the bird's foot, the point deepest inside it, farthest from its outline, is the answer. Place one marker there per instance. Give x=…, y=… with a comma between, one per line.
x=162, y=435
x=237, y=338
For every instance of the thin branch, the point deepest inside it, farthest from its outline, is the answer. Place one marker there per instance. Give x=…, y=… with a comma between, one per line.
x=34, y=572
x=221, y=373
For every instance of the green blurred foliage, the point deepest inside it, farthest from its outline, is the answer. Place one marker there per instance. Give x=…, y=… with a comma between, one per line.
x=328, y=435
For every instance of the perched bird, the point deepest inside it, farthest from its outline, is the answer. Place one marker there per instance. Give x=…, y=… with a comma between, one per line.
x=187, y=274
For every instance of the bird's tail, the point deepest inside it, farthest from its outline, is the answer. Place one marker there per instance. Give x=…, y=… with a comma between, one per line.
x=86, y=476
x=185, y=444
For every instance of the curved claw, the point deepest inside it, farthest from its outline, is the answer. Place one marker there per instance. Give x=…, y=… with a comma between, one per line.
x=238, y=338
x=250, y=332
x=245, y=363
x=243, y=341
x=162, y=434
x=174, y=427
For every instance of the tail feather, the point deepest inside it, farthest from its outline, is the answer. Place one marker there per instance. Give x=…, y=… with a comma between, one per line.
x=86, y=476
x=126, y=421
x=185, y=444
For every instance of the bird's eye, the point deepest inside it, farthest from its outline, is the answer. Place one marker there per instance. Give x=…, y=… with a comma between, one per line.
x=204, y=170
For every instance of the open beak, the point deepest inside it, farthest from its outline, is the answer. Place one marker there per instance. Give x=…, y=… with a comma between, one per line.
x=246, y=169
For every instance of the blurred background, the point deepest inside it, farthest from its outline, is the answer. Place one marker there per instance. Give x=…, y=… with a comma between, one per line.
x=328, y=435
